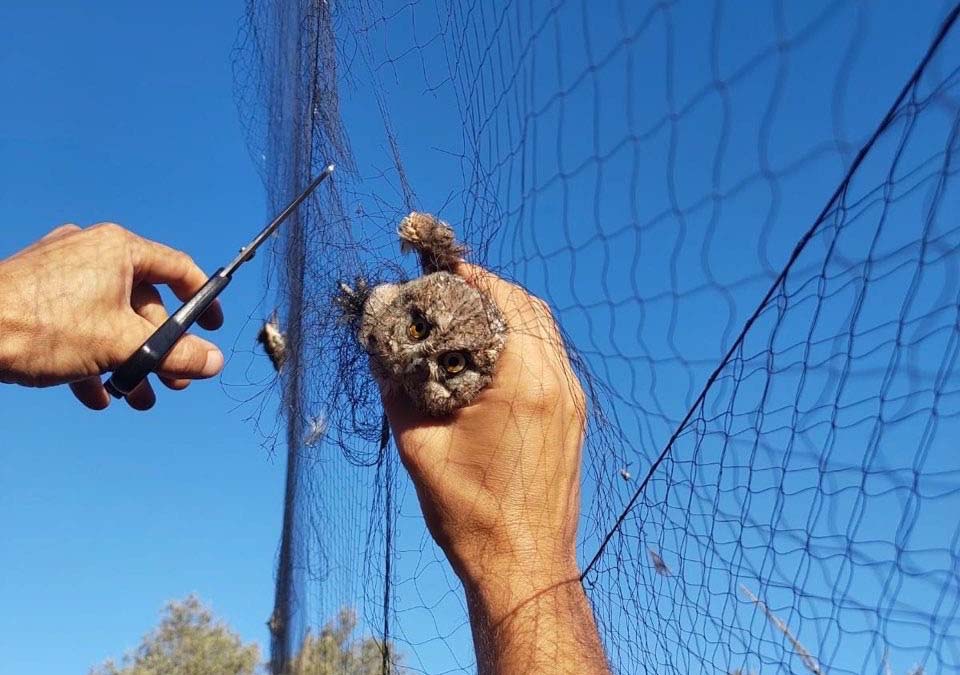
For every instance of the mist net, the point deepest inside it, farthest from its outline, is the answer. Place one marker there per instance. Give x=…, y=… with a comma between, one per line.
x=745, y=219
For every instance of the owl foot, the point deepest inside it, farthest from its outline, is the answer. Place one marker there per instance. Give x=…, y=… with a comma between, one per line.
x=433, y=240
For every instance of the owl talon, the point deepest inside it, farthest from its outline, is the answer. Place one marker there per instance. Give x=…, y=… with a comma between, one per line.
x=433, y=240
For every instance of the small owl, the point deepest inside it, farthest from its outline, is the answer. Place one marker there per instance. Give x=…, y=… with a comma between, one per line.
x=436, y=337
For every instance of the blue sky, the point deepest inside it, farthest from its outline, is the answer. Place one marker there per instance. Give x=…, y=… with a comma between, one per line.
x=125, y=112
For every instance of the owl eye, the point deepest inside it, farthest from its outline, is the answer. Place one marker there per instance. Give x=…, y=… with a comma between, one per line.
x=453, y=362
x=418, y=329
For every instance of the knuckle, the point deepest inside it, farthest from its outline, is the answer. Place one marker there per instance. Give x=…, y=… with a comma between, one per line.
x=183, y=260
x=543, y=397
x=194, y=355
x=110, y=230
x=555, y=394
x=540, y=304
x=187, y=260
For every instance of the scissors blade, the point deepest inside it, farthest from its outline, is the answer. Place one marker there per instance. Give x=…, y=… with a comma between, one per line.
x=246, y=253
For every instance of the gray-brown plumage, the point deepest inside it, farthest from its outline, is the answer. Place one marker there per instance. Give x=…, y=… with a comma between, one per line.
x=274, y=342
x=436, y=337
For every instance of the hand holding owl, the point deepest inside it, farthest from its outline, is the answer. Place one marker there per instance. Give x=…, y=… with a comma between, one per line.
x=489, y=419
x=499, y=480
x=487, y=412
x=499, y=485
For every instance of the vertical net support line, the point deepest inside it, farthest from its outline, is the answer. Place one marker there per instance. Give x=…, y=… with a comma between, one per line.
x=287, y=585
x=832, y=203
x=293, y=70
x=293, y=111
x=387, y=458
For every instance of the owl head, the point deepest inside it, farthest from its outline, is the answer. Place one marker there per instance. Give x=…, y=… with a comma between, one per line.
x=436, y=338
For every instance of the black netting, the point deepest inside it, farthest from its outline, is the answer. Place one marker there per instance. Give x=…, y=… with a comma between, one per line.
x=744, y=216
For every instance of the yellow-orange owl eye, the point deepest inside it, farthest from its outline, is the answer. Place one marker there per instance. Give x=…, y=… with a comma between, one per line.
x=453, y=362
x=418, y=329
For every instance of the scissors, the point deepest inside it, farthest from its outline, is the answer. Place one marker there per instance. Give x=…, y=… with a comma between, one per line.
x=146, y=359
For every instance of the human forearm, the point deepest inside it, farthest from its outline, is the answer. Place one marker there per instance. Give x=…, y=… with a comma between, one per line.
x=539, y=623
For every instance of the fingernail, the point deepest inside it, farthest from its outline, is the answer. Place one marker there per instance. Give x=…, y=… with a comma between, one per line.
x=214, y=363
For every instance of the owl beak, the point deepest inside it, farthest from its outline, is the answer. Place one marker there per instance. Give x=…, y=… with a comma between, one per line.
x=419, y=367
x=424, y=369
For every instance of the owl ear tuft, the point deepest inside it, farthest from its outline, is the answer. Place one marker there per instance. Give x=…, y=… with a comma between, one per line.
x=351, y=300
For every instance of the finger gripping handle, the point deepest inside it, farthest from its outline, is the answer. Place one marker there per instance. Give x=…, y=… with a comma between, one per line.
x=146, y=359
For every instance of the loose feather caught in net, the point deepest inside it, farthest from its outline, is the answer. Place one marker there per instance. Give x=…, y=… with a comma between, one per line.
x=744, y=216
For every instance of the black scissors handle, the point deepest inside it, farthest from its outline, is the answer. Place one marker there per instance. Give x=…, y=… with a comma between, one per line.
x=146, y=359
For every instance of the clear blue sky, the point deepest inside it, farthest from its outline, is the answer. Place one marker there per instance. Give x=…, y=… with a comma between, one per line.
x=125, y=112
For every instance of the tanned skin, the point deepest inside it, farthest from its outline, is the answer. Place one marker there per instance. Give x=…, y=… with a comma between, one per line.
x=499, y=485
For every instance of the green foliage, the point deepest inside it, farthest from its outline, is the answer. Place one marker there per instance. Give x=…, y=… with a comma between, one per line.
x=333, y=652
x=191, y=641
x=188, y=641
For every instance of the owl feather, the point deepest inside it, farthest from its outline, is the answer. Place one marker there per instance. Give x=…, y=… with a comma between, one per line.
x=274, y=342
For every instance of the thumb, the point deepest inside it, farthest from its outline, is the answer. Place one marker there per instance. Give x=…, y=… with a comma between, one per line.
x=423, y=442
x=190, y=358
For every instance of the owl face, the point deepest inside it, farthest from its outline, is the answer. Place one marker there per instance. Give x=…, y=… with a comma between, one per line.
x=435, y=337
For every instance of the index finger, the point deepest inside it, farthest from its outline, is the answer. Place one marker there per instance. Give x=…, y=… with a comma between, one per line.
x=155, y=263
